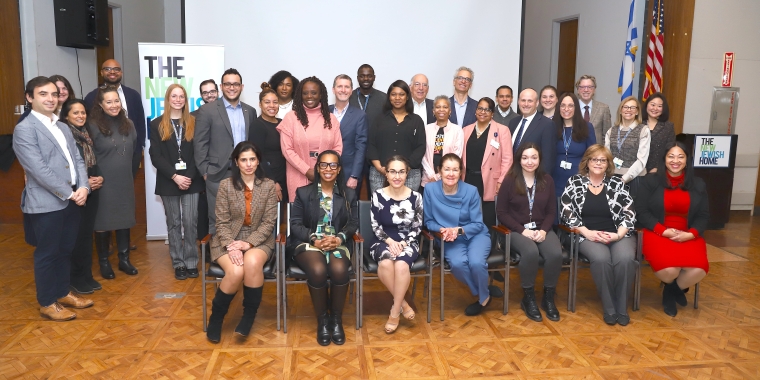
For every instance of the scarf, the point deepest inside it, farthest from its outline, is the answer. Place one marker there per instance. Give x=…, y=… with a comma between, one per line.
x=83, y=140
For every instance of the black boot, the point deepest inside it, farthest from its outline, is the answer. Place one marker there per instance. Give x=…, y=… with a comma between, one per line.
x=547, y=303
x=219, y=307
x=122, y=244
x=319, y=299
x=669, y=299
x=528, y=304
x=102, y=243
x=679, y=294
x=337, y=300
x=251, y=302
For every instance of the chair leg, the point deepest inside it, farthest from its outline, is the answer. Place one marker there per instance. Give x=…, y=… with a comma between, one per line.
x=414, y=286
x=443, y=272
x=696, y=296
x=429, y=292
x=506, y=274
x=278, y=278
x=203, y=283
x=284, y=305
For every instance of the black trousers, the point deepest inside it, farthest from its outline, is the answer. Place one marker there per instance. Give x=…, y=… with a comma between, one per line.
x=57, y=234
x=81, y=256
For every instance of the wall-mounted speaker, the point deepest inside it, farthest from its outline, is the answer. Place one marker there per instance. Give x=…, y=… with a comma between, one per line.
x=81, y=24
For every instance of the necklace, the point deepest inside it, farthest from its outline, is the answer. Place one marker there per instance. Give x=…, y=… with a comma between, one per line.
x=478, y=132
x=599, y=185
x=124, y=149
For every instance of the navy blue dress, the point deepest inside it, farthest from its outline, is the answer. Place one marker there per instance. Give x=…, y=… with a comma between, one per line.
x=398, y=220
x=572, y=154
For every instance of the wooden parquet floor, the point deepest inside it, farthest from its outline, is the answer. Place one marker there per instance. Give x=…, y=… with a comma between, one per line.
x=131, y=333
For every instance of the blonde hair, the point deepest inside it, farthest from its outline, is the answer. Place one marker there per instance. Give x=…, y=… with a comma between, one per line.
x=619, y=119
x=593, y=151
x=165, y=128
x=583, y=77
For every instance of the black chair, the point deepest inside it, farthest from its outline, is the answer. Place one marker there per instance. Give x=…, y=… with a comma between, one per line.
x=214, y=271
x=422, y=267
x=291, y=273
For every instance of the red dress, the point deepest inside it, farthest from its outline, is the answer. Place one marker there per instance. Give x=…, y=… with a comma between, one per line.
x=662, y=252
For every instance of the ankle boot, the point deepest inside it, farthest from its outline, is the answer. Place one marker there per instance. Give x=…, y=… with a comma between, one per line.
x=528, y=304
x=122, y=244
x=679, y=294
x=319, y=299
x=102, y=243
x=251, y=302
x=669, y=300
x=547, y=303
x=337, y=300
x=219, y=307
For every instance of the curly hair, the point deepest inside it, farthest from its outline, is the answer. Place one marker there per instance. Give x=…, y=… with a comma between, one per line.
x=99, y=118
x=299, y=108
x=279, y=77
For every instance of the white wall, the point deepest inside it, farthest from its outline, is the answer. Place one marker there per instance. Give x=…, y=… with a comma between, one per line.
x=719, y=27
x=602, y=32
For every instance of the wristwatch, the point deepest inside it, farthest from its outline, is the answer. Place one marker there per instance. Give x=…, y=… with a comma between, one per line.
x=460, y=231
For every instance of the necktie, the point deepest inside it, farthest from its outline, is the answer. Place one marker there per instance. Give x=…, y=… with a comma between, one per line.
x=520, y=132
x=585, y=113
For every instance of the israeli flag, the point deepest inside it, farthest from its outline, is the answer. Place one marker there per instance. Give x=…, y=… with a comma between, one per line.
x=625, y=83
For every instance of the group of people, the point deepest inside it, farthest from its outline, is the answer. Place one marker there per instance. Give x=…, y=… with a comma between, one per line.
x=452, y=165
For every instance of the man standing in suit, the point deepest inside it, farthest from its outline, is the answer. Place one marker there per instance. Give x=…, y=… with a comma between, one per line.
x=219, y=127
x=131, y=101
x=593, y=111
x=422, y=105
x=366, y=97
x=56, y=186
x=534, y=127
x=209, y=93
x=353, y=130
x=462, y=105
x=504, y=111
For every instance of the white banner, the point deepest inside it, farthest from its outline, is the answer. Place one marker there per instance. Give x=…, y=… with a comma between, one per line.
x=160, y=66
x=712, y=151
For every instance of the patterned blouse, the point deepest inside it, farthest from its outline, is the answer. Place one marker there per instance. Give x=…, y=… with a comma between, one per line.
x=399, y=220
x=620, y=202
x=663, y=135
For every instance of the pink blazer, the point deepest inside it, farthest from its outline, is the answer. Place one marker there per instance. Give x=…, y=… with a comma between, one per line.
x=295, y=146
x=453, y=142
x=496, y=162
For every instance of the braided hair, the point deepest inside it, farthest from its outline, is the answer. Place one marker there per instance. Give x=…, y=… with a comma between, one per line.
x=299, y=108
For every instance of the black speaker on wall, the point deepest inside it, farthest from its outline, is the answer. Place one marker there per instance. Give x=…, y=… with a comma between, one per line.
x=81, y=24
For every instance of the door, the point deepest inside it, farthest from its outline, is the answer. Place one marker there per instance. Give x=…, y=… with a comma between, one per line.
x=105, y=53
x=568, y=46
x=11, y=67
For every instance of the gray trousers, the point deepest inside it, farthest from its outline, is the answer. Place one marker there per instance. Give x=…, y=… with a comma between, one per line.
x=613, y=269
x=550, y=249
x=377, y=180
x=182, y=214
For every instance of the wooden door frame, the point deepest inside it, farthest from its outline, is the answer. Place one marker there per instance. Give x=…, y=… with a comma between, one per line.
x=554, y=57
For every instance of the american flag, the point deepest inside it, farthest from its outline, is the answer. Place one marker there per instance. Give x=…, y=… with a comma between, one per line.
x=656, y=47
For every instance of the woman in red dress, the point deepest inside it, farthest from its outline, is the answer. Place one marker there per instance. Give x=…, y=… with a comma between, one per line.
x=672, y=206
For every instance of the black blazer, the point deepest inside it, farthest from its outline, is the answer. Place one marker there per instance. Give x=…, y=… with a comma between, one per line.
x=163, y=155
x=542, y=132
x=429, y=105
x=305, y=213
x=650, y=207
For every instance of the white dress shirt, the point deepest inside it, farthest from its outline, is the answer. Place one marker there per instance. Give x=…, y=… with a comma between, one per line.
x=590, y=107
x=338, y=113
x=123, y=100
x=50, y=124
x=421, y=110
x=525, y=129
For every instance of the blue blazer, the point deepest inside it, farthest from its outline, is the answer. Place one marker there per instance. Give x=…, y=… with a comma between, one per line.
x=353, y=130
x=542, y=132
x=469, y=113
x=459, y=210
x=135, y=112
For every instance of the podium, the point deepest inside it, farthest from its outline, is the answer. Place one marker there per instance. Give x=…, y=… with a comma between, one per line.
x=714, y=159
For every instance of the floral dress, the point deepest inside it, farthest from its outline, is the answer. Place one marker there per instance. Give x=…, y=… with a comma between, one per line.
x=398, y=220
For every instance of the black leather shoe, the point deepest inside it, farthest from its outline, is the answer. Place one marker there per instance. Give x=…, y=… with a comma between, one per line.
x=476, y=308
x=180, y=273
x=495, y=291
x=610, y=319
x=133, y=247
x=81, y=286
x=105, y=269
x=192, y=272
x=94, y=284
x=323, y=329
x=528, y=304
x=679, y=295
x=547, y=303
x=623, y=319
x=497, y=276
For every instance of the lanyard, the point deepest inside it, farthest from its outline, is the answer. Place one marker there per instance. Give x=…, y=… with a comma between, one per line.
x=531, y=197
x=178, y=137
x=620, y=143
x=359, y=99
x=567, y=140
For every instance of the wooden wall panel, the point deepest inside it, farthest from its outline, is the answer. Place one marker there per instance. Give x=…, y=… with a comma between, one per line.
x=568, y=48
x=11, y=65
x=679, y=21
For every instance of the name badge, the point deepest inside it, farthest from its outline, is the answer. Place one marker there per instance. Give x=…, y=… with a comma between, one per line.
x=530, y=226
x=566, y=165
x=181, y=165
x=618, y=162
x=495, y=144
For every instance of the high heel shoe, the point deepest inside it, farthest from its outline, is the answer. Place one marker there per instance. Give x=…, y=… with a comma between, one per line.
x=407, y=311
x=392, y=324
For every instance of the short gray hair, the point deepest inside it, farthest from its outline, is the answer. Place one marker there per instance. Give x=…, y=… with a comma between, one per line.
x=442, y=97
x=465, y=68
x=343, y=76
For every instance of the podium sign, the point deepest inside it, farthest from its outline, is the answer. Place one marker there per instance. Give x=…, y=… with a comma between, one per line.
x=712, y=151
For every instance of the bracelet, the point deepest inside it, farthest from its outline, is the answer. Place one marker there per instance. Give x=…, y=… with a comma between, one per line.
x=175, y=174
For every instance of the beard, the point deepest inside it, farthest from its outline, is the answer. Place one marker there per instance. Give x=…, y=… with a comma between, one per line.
x=114, y=83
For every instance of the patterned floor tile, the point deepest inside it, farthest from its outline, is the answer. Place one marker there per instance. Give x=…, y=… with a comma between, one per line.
x=516, y=324
x=736, y=311
x=12, y=284
x=545, y=353
x=52, y=336
x=134, y=307
x=263, y=333
x=734, y=344
x=28, y=367
x=306, y=331
x=705, y=373
x=611, y=350
x=8, y=331
x=183, y=335
x=458, y=326
x=175, y=365
x=404, y=361
x=407, y=331
x=99, y=365
x=673, y=346
x=20, y=308
x=634, y=374
x=122, y=335
x=251, y=364
x=328, y=362
x=477, y=359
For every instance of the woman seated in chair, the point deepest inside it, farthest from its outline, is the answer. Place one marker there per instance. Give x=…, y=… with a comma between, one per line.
x=527, y=205
x=672, y=206
x=246, y=214
x=323, y=220
x=452, y=207
x=597, y=203
x=396, y=221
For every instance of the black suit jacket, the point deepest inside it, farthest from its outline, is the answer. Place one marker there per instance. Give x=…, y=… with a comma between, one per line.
x=375, y=104
x=650, y=203
x=429, y=105
x=469, y=113
x=135, y=112
x=354, y=131
x=540, y=131
x=305, y=214
x=164, y=155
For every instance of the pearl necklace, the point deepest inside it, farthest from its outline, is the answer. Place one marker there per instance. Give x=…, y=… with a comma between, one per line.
x=599, y=185
x=478, y=132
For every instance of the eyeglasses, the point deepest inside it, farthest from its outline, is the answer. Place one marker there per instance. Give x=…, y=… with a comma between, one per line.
x=630, y=108
x=232, y=85
x=418, y=84
x=112, y=69
x=331, y=165
x=481, y=109
x=394, y=173
x=566, y=106
x=206, y=93
x=586, y=87
x=461, y=78
x=599, y=160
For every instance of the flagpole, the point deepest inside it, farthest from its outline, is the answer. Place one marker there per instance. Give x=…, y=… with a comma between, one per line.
x=646, y=25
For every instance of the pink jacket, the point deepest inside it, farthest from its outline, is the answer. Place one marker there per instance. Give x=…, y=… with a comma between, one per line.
x=453, y=141
x=295, y=145
x=497, y=159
